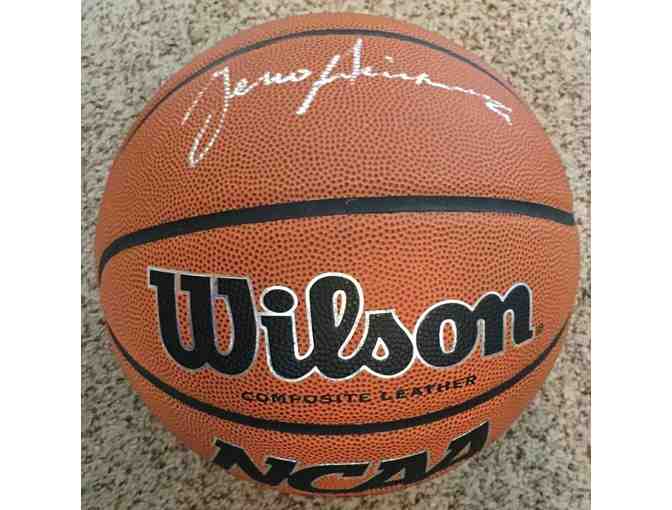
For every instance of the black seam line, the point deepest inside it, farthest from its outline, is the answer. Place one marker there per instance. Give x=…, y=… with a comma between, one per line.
x=336, y=429
x=315, y=33
x=331, y=207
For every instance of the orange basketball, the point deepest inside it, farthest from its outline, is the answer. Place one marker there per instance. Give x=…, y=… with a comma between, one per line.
x=337, y=255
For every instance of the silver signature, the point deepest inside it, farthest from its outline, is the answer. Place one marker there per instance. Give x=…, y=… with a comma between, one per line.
x=231, y=91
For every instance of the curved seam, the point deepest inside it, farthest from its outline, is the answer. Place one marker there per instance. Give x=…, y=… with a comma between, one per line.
x=330, y=207
x=336, y=429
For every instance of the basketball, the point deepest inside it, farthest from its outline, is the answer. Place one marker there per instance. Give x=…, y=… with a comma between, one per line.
x=337, y=255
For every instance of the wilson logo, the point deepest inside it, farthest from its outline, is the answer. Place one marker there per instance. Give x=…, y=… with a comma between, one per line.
x=334, y=309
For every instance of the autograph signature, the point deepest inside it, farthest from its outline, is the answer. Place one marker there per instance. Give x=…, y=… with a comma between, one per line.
x=230, y=92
